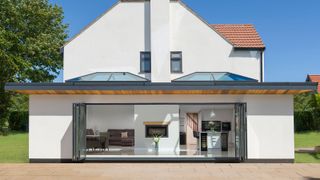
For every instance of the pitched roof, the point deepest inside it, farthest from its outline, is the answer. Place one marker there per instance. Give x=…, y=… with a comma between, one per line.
x=240, y=35
x=314, y=78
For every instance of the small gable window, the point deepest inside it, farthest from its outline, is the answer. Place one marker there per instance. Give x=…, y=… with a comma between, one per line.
x=176, y=62
x=145, y=62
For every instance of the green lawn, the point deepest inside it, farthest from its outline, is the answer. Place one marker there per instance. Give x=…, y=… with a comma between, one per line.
x=14, y=148
x=307, y=158
x=307, y=140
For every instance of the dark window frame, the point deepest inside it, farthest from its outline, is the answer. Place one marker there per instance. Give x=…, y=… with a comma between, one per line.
x=177, y=60
x=157, y=126
x=144, y=59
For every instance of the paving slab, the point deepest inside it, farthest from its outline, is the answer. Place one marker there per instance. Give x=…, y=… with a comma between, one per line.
x=141, y=171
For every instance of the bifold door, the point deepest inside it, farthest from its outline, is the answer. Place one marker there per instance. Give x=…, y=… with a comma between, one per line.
x=241, y=131
x=79, y=132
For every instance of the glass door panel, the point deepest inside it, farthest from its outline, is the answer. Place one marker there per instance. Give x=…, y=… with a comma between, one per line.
x=79, y=132
x=237, y=129
x=243, y=132
x=240, y=131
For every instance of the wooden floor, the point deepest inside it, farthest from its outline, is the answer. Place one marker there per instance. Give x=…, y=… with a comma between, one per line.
x=161, y=171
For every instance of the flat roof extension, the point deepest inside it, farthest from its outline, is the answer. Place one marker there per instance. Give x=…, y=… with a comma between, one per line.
x=125, y=88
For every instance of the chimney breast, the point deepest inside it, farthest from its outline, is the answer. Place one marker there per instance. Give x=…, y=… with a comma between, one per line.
x=160, y=40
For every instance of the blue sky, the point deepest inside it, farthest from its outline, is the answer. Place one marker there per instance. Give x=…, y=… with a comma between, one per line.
x=289, y=28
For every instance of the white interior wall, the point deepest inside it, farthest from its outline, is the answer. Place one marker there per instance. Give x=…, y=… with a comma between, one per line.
x=157, y=113
x=104, y=117
x=270, y=129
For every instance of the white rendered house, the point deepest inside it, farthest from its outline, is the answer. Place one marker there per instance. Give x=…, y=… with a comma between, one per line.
x=152, y=81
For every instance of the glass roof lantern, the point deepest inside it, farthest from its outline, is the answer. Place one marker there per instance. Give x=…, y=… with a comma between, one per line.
x=109, y=77
x=214, y=76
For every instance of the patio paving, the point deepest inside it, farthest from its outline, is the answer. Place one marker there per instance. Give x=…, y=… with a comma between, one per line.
x=161, y=171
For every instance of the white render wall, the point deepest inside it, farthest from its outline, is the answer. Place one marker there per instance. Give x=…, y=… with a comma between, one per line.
x=270, y=129
x=204, y=49
x=160, y=40
x=113, y=44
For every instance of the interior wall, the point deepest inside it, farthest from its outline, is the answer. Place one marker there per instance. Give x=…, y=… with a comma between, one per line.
x=104, y=117
x=157, y=113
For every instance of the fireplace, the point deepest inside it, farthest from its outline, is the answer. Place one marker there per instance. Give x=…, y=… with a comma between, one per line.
x=156, y=130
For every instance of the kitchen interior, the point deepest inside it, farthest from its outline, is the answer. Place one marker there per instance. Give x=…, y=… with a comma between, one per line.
x=207, y=130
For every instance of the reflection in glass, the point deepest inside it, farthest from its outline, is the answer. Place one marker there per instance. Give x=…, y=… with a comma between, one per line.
x=108, y=76
x=214, y=76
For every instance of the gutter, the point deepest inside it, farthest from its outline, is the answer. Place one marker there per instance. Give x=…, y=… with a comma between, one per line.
x=262, y=66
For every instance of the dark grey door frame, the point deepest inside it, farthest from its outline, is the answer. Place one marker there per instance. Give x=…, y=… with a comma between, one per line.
x=241, y=112
x=243, y=138
x=79, y=132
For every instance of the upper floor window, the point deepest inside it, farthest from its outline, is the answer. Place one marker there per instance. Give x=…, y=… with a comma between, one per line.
x=145, y=62
x=176, y=62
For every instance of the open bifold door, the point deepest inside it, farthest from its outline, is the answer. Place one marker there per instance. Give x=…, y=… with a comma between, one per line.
x=241, y=131
x=79, y=132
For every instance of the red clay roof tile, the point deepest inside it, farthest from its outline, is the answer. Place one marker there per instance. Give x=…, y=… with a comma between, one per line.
x=314, y=78
x=240, y=35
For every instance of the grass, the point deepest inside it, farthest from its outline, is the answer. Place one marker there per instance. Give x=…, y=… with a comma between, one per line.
x=307, y=158
x=14, y=148
x=307, y=140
